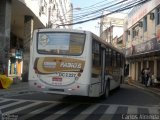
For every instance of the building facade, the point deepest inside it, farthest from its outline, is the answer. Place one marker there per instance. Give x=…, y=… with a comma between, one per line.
x=60, y=13
x=18, y=19
x=112, y=28
x=142, y=38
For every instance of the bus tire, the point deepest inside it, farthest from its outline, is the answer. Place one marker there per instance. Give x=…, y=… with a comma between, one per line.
x=121, y=80
x=107, y=89
x=118, y=87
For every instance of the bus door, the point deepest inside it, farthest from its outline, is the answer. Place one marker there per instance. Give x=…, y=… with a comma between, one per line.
x=103, y=52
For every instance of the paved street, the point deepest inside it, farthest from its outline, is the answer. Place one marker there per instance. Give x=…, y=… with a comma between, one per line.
x=38, y=106
x=47, y=110
x=80, y=47
x=16, y=89
x=127, y=95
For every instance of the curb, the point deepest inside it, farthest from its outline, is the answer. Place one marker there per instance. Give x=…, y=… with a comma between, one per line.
x=146, y=89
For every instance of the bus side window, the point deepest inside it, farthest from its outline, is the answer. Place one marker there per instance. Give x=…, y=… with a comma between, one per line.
x=96, y=53
x=122, y=60
x=114, y=58
x=108, y=57
x=118, y=60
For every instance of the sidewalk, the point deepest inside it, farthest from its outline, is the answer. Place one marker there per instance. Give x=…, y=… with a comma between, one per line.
x=152, y=89
x=16, y=88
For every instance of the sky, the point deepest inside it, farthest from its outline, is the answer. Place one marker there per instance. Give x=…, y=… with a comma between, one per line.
x=92, y=26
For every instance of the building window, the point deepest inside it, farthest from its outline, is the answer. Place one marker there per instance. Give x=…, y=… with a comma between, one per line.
x=135, y=31
x=43, y=7
x=145, y=24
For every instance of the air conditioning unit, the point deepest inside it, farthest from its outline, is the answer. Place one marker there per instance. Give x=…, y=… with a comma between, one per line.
x=151, y=16
x=140, y=24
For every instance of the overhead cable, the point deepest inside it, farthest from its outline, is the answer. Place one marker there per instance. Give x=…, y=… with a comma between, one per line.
x=114, y=11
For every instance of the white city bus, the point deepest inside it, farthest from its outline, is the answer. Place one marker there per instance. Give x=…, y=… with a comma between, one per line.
x=73, y=62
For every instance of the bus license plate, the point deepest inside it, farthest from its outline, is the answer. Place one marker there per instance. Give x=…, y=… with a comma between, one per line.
x=57, y=79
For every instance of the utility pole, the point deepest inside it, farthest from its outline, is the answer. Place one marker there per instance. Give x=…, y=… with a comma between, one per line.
x=101, y=27
x=110, y=32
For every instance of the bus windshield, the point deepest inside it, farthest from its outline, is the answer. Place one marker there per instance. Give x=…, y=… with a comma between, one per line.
x=60, y=43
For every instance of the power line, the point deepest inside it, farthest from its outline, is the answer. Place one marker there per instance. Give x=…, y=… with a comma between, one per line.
x=127, y=6
x=88, y=7
x=115, y=11
x=108, y=8
x=113, y=6
x=92, y=8
x=101, y=9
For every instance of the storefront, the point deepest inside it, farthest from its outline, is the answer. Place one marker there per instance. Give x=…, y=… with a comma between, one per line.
x=15, y=64
x=144, y=55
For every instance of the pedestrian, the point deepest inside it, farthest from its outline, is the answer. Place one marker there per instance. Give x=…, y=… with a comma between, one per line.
x=142, y=76
x=149, y=80
x=147, y=77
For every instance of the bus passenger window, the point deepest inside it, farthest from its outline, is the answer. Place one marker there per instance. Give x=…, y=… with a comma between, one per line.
x=110, y=57
x=118, y=60
x=96, y=53
x=107, y=63
x=114, y=58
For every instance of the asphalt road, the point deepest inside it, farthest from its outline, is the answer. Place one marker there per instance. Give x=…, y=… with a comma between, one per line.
x=124, y=104
x=126, y=95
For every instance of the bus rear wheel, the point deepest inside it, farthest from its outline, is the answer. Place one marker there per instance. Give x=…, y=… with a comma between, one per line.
x=107, y=89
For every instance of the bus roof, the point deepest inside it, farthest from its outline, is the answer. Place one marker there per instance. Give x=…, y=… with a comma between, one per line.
x=60, y=30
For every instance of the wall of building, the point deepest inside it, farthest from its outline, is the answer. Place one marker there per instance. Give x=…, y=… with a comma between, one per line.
x=142, y=43
x=139, y=12
x=61, y=13
x=111, y=28
x=19, y=18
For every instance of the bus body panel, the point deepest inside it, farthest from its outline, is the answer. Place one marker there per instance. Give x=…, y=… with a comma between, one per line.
x=68, y=74
x=44, y=81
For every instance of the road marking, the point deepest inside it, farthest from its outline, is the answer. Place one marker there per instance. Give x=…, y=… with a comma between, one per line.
x=59, y=113
x=153, y=111
x=8, y=105
x=5, y=100
x=111, y=109
x=132, y=110
x=38, y=111
x=84, y=114
x=109, y=112
x=21, y=108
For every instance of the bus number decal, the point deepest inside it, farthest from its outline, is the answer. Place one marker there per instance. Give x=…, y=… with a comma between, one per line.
x=70, y=65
